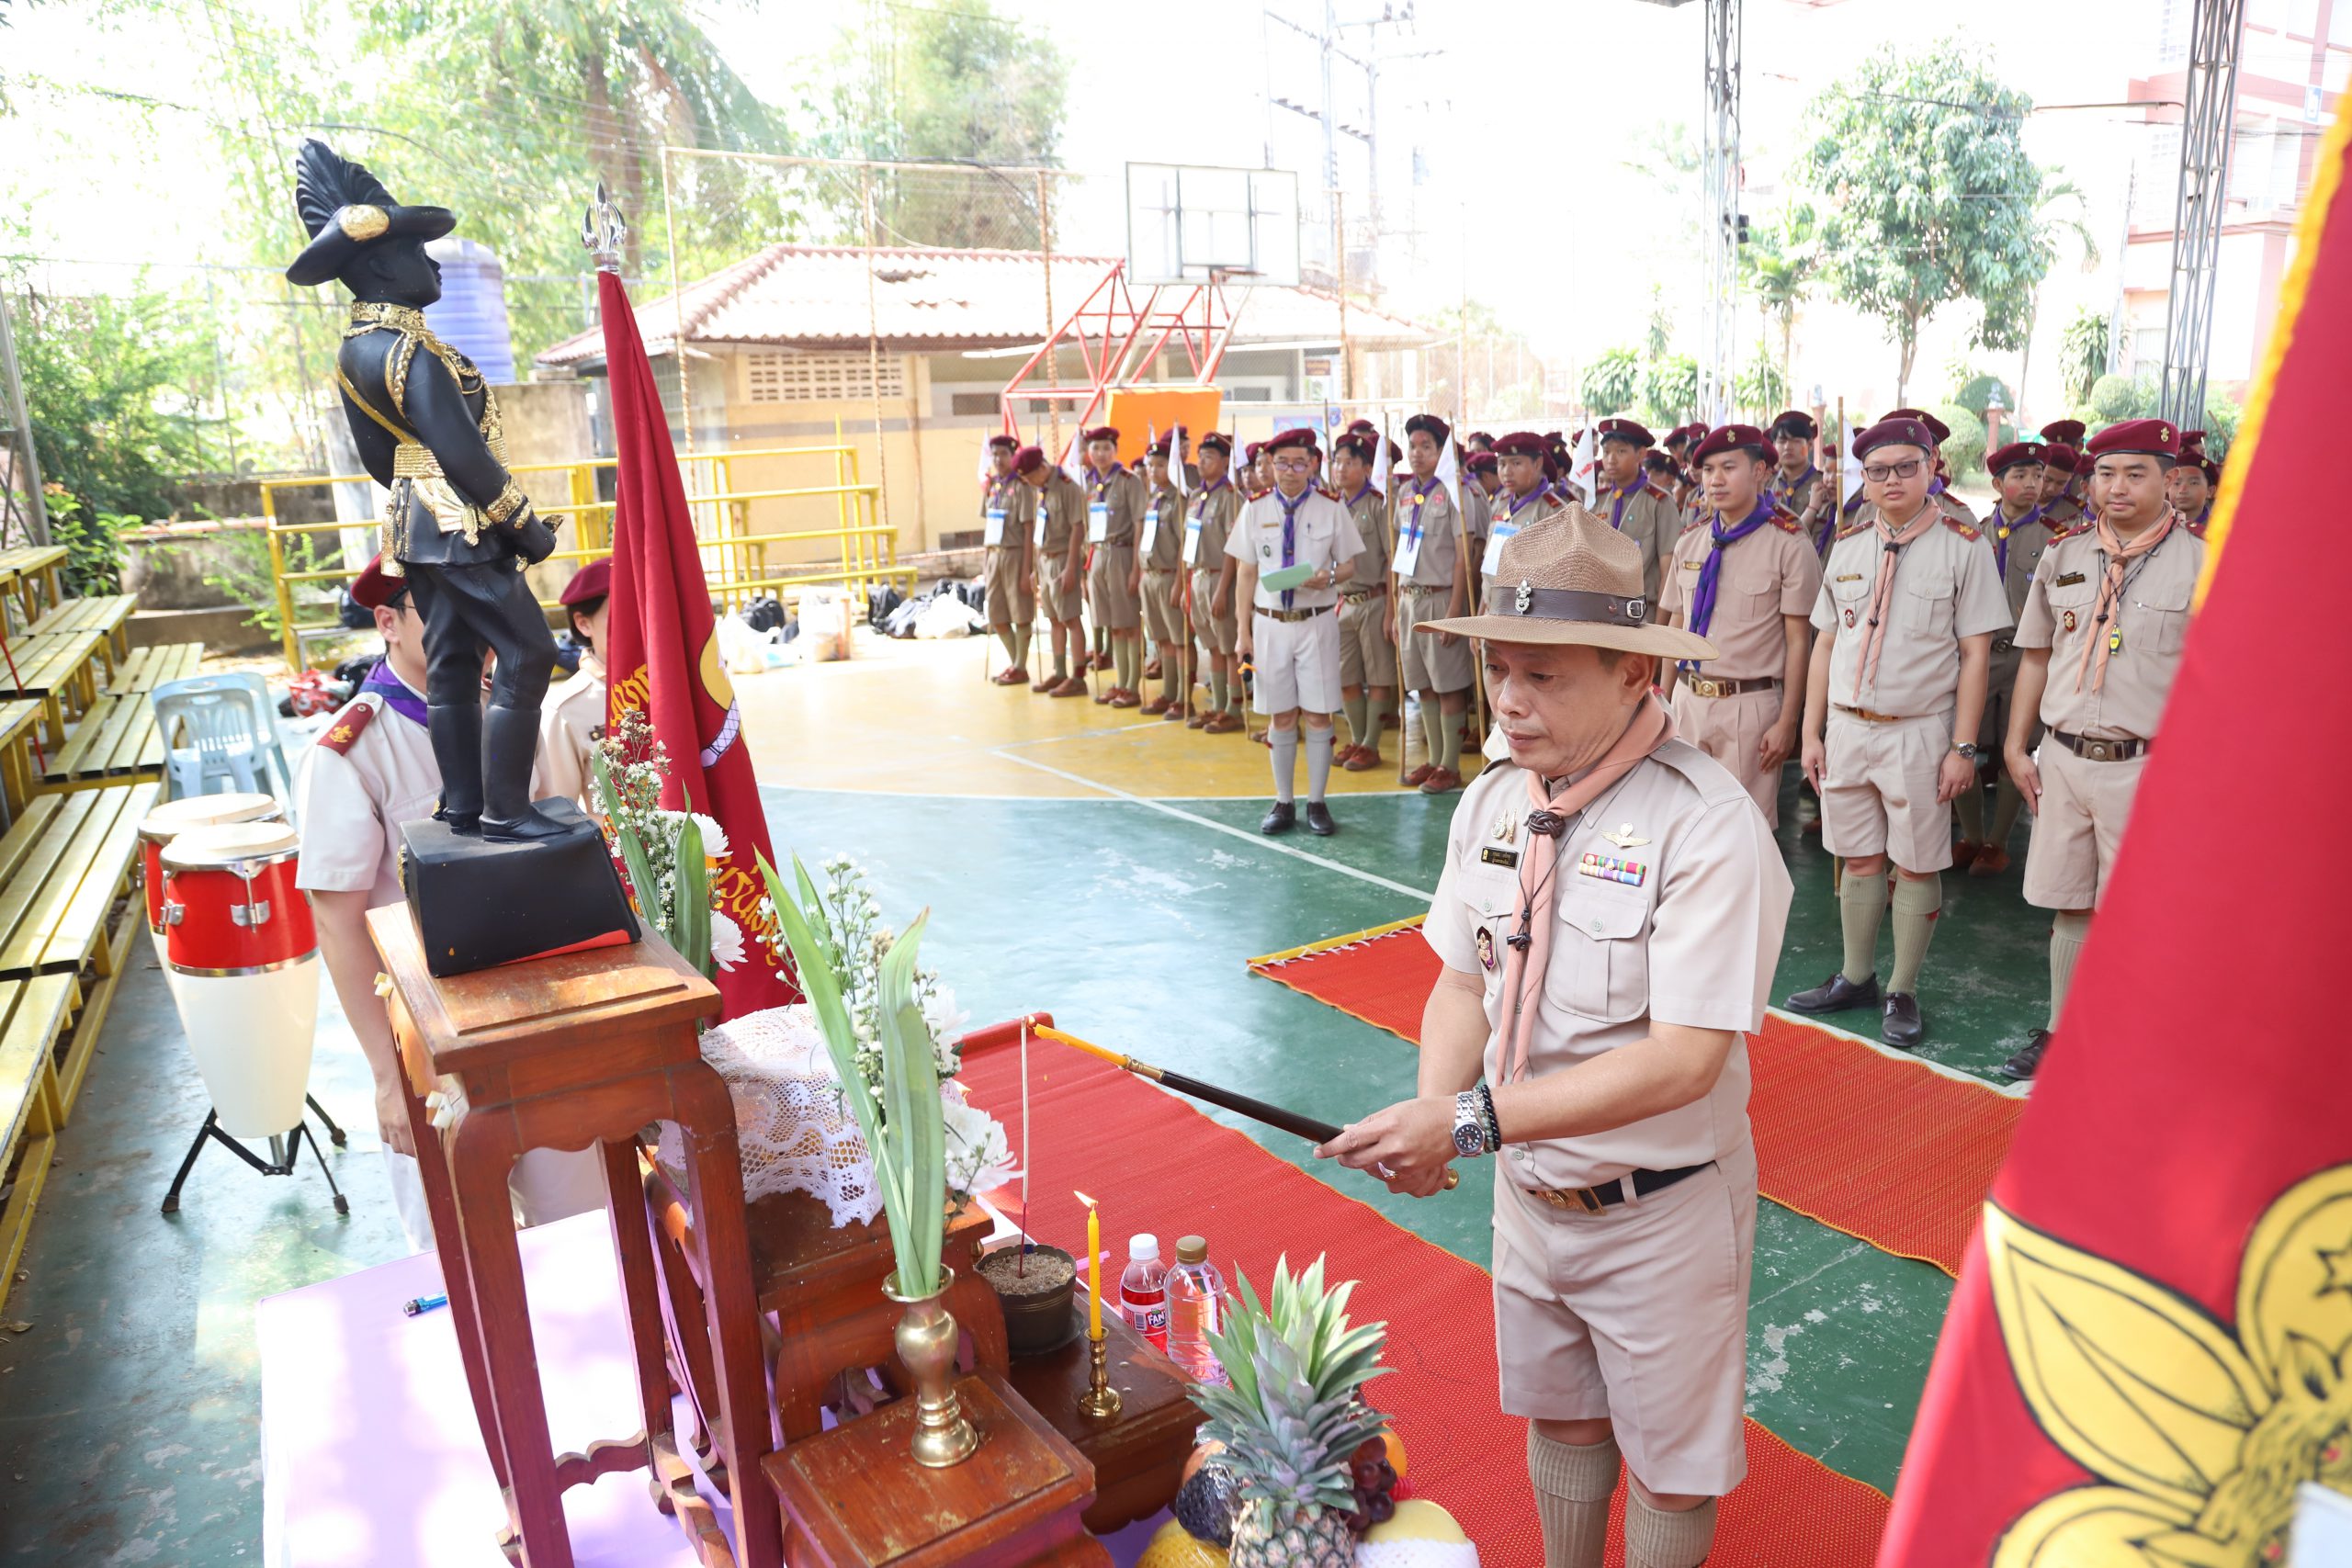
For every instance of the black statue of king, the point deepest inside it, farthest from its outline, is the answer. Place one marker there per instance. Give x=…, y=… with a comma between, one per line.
x=456, y=527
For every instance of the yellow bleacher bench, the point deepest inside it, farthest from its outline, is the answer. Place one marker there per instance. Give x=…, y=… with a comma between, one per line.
x=144, y=669
x=107, y=612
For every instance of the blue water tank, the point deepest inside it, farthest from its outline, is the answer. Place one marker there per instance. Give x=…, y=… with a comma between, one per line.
x=470, y=316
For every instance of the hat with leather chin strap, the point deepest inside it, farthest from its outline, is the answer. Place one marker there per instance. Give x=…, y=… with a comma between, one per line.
x=1568, y=577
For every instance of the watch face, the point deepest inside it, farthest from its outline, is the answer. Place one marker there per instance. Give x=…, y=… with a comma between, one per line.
x=1469, y=1141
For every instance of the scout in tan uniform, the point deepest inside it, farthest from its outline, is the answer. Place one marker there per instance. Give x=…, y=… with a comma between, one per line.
x=2059, y=507
x=1478, y=492
x=2019, y=532
x=1910, y=605
x=1059, y=539
x=1745, y=580
x=1292, y=636
x=571, y=720
x=1162, y=555
x=1432, y=581
x=1207, y=527
x=1008, y=523
x=1800, y=486
x=1115, y=500
x=1642, y=512
x=370, y=770
x=2102, y=631
x=1367, y=630
x=1524, y=461
x=2189, y=488
x=1606, y=942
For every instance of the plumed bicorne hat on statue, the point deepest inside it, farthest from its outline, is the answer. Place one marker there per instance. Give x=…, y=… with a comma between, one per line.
x=345, y=210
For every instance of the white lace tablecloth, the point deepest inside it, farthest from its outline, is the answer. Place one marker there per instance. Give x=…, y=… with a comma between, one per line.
x=794, y=1130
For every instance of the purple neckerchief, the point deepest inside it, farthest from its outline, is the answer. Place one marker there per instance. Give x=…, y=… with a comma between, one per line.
x=1530, y=499
x=2001, y=537
x=1812, y=472
x=1702, y=598
x=1935, y=484
x=1290, y=533
x=1201, y=502
x=1625, y=494
x=396, y=693
x=1363, y=490
x=1102, y=481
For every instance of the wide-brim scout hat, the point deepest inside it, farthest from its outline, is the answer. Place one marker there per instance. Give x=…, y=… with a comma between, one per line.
x=1568, y=577
x=345, y=210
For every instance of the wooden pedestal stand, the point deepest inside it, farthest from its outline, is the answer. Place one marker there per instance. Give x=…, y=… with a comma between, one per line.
x=1138, y=1455
x=575, y=1052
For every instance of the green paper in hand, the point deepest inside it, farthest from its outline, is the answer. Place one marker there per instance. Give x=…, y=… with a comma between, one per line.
x=1287, y=577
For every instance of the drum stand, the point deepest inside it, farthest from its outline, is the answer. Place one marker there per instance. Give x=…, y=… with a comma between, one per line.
x=284, y=1148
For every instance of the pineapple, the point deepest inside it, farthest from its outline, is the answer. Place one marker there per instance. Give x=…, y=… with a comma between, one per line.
x=1291, y=1420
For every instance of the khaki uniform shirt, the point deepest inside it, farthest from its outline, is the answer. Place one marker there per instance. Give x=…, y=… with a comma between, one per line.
x=1426, y=506
x=1125, y=494
x=2152, y=614
x=570, y=723
x=1213, y=510
x=1945, y=589
x=2025, y=543
x=1019, y=504
x=1166, y=514
x=1323, y=534
x=1693, y=942
x=1771, y=573
x=352, y=801
x=1954, y=505
x=1060, y=519
x=1370, y=514
x=1647, y=515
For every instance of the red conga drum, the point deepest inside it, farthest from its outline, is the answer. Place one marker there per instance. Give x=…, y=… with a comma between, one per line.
x=173, y=817
x=243, y=958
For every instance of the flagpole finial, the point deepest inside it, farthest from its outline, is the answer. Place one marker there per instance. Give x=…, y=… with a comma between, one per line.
x=602, y=229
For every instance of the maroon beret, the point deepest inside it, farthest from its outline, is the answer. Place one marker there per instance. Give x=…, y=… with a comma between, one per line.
x=1363, y=427
x=2061, y=456
x=1010, y=442
x=2191, y=438
x=1484, y=463
x=1300, y=437
x=2213, y=471
x=1796, y=422
x=374, y=587
x=2153, y=437
x=1163, y=447
x=1521, y=444
x=2066, y=431
x=1937, y=427
x=1894, y=432
x=1355, y=443
x=1479, y=438
x=1029, y=460
x=1679, y=436
x=1250, y=453
x=1102, y=432
x=1436, y=428
x=1729, y=439
x=1624, y=430
x=594, y=580
x=2012, y=455
x=1216, y=441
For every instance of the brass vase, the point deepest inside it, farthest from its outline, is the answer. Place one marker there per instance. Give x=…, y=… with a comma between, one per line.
x=926, y=1340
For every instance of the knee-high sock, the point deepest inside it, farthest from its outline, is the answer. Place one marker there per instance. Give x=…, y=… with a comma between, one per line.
x=1449, y=734
x=1173, y=683
x=1286, y=750
x=1236, y=691
x=1101, y=639
x=2069, y=929
x=1009, y=635
x=1354, y=706
x=1916, y=903
x=2008, y=801
x=1061, y=658
x=1970, y=804
x=1656, y=1538
x=1573, y=1483
x=1020, y=648
x=1432, y=724
x=1375, y=714
x=1217, y=691
x=1861, y=905
x=1319, y=743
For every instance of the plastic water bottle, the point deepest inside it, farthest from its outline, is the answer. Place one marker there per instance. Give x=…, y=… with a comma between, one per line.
x=1195, y=1309
x=1143, y=1289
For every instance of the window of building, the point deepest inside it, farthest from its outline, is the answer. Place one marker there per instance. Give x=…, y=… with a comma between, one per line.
x=820, y=377
x=2147, y=351
x=972, y=405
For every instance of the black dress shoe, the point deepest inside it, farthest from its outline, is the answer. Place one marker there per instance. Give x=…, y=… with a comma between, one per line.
x=1836, y=995
x=1281, y=818
x=1903, y=1027
x=2023, y=1065
x=1318, y=820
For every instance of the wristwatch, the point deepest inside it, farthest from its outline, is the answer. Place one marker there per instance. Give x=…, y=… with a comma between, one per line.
x=1966, y=749
x=1473, y=1125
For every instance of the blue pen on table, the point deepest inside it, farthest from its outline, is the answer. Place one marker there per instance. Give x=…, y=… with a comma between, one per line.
x=423, y=1304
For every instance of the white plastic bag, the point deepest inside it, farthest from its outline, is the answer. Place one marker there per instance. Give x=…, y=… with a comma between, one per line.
x=944, y=616
x=745, y=649
x=824, y=625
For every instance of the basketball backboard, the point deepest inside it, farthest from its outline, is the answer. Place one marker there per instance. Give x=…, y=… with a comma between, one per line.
x=1187, y=223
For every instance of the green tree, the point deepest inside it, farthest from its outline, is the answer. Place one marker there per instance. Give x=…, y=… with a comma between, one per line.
x=1927, y=196
x=1779, y=266
x=1670, y=388
x=1964, y=452
x=2082, y=353
x=112, y=390
x=1760, y=387
x=1611, y=383
x=1975, y=388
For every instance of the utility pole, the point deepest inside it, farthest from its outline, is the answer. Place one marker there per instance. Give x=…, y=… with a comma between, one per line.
x=1719, y=168
x=28, y=513
x=2206, y=122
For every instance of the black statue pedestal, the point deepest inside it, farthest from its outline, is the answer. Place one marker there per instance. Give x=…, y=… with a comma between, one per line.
x=479, y=904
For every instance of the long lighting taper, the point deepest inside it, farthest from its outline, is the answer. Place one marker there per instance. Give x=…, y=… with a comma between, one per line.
x=1290, y=1122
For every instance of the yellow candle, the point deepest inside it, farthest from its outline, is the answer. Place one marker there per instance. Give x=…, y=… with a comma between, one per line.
x=1093, y=1272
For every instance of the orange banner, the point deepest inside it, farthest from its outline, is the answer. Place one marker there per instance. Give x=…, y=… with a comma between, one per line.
x=1137, y=413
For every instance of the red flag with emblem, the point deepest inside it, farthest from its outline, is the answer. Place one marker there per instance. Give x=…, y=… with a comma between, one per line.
x=2151, y=1344
x=662, y=656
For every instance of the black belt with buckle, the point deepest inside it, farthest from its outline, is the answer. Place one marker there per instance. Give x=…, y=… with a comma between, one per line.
x=1358, y=595
x=1592, y=1200
x=1308, y=613
x=2090, y=749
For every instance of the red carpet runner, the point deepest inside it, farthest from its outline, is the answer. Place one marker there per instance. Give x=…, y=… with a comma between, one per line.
x=1877, y=1146
x=1156, y=1163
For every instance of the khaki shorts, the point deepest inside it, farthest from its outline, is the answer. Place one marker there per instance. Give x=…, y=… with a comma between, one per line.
x=1878, y=792
x=1216, y=632
x=1429, y=665
x=2075, y=834
x=1366, y=656
x=1059, y=604
x=1298, y=664
x=1109, y=603
x=1638, y=1314
x=1728, y=729
x=1012, y=592
x=1163, y=609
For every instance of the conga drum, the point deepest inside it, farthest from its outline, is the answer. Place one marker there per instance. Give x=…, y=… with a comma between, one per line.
x=243, y=958
x=173, y=817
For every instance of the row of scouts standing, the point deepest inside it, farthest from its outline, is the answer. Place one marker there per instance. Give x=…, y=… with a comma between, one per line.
x=1905, y=652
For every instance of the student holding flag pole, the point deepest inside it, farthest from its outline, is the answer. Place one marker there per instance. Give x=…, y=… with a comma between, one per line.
x=1161, y=564
x=1367, y=651
x=1210, y=589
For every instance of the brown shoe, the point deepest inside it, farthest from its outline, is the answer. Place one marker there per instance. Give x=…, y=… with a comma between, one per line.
x=1991, y=861
x=1123, y=698
x=1364, y=759
x=1070, y=686
x=1219, y=723
x=1196, y=721
x=1104, y=661
x=1151, y=671
x=1964, y=853
x=1105, y=694
x=1420, y=775
x=1156, y=706
x=1175, y=710
x=1441, y=780
x=1014, y=676
x=1043, y=684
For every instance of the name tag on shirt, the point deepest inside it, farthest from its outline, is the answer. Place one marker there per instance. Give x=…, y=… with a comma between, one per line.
x=992, y=531
x=1492, y=562
x=2067, y=579
x=1040, y=536
x=1151, y=527
x=1192, y=539
x=1098, y=522
x=1409, y=547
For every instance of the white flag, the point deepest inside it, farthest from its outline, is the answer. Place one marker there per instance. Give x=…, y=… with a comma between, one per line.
x=1449, y=470
x=988, y=466
x=1850, y=469
x=1584, y=466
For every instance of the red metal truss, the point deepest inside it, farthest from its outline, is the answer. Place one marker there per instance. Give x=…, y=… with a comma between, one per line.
x=1119, y=333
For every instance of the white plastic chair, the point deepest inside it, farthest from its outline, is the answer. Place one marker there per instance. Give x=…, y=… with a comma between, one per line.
x=211, y=732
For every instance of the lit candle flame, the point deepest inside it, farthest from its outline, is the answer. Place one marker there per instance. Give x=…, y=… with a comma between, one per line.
x=1083, y=1198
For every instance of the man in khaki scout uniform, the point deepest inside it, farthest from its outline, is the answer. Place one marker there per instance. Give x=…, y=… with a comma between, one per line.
x=1607, y=921
x=1367, y=628
x=1059, y=537
x=571, y=720
x=2102, y=630
x=1115, y=500
x=1800, y=486
x=1162, y=555
x=1207, y=524
x=1642, y=511
x=1909, y=603
x=2019, y=532
x=1291, y=634
x=1008, y=521
x=1746, y=580
x=1432, y=582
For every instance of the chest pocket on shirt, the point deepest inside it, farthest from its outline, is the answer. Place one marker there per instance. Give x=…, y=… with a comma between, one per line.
x=1492, y=897
x=2070, y=609
x=1601, y=965
x=2157, y=617
x=1927, y=592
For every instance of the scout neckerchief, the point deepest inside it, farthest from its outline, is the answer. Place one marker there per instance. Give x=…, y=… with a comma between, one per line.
x=1787, y=489
x=2121, y=559
x=1290, y=534
x=1519, y=502
x=1882, y=591
x=1547, y=824
x=1625, y=494
x=1361, y=490
x=1200, y=502
x=1702, y=598
x=398, y=695
x=1422, y=490
x=2002, y=529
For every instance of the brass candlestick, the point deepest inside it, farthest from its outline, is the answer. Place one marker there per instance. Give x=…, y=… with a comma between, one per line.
x=1100, y=1401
